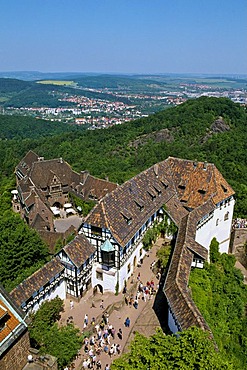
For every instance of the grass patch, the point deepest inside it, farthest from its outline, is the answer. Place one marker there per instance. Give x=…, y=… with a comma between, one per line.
x=57, y=82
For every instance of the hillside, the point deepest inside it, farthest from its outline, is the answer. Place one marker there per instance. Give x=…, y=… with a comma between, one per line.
x=17, y=93
x=206, y=129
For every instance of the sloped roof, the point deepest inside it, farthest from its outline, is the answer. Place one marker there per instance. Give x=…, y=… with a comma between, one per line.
x=197, y=182
x=79, y=250
x=97, y=188
x=42, y=172
x=12, y=317
x=121, y=211
x=32, y=284
x=179, y=184
x=26, y=163
x=107, y=246
x=176, y=284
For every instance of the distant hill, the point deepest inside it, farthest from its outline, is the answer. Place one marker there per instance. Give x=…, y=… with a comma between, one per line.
x=18, y=93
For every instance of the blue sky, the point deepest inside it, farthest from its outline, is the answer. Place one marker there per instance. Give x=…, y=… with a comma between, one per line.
x=124, y=36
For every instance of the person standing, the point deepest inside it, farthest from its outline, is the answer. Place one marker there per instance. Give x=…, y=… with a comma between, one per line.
x=98, y=365
x=120, y=334
x=127, y=322
x=86, y=320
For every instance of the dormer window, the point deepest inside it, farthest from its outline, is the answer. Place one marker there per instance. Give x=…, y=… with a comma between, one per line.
x=140, y=205
x=202, y=191
x=224, y=188
x=181, y=186
x=164, y=183
x=127, y=216
x=152, y=195
x=158, y=190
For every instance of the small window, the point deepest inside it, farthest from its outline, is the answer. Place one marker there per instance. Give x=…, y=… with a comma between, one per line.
x=217, y=222
x=96, y=230
x=201, y=191
x=128, y=268
x=226, y=217
x=99, y=275
x=224, y=188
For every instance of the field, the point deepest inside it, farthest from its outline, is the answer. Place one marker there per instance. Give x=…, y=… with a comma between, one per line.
x=57, y=82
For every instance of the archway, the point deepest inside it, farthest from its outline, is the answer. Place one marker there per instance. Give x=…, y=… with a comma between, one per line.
x=57, y=204
x=98, y=289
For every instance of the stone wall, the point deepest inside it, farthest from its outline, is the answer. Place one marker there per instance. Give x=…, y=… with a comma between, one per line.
x=16, y=357
x=238, y=238
x=237, y=246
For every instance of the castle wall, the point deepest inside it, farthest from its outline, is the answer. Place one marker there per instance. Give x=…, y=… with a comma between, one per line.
x=16, y=356
x=217, y=225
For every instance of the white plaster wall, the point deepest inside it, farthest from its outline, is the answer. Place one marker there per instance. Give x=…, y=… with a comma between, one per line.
x=60, y=291
x=221, y=231
x=109, y=281
x=171, y=323
x=197, y=264
x=123, y=272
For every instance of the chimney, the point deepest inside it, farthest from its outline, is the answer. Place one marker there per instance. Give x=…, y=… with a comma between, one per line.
x=156, y=169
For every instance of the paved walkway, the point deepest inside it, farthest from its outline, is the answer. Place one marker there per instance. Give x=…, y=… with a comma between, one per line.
x=143, y=319
x=62, y=224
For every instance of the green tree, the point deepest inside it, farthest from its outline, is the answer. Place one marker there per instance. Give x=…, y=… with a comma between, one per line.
x=21, y=249
x=221, y=296
x=191, y=349
x=214, y=251
x=62, y=342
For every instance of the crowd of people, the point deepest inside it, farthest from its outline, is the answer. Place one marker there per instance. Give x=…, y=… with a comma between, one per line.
x=239, y=223
x=105, y=339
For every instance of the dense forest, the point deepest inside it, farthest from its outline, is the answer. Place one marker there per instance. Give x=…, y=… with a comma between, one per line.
x=220, y=294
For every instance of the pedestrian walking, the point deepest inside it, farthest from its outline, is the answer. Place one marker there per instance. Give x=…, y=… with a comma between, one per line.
x=120, y=334
x=107, y=367
x=98, y=365
x=127, y=322
x=135, y=304
x=102, y=305
x=118, y=348
x=85, y=320
x=71, y=303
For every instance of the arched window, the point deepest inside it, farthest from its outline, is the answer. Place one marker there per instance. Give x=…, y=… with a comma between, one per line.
x=226, y=217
